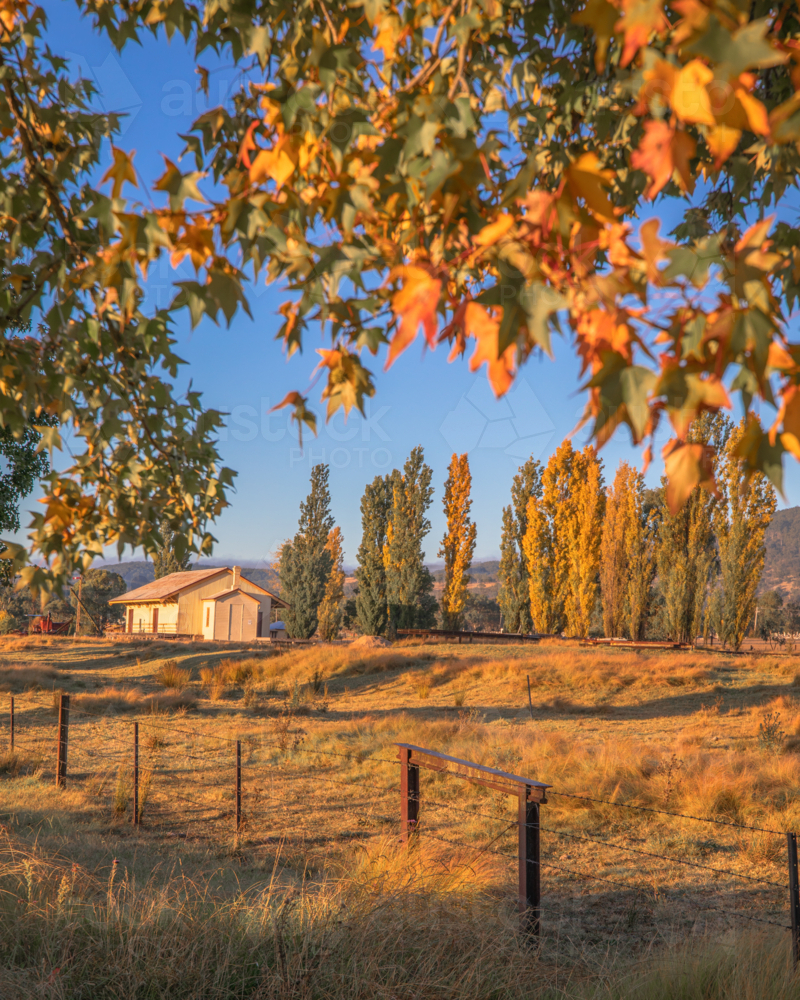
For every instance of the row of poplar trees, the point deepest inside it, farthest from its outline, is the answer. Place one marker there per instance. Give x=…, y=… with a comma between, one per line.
x=577, y=556
x=395, y=587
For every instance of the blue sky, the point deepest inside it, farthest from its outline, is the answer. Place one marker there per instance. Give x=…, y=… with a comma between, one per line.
x=422, y=400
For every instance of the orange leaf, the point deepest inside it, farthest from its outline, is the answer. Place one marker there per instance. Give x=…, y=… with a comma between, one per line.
x=120, y=171
x=687, y=466
x=690, y=100
x=653, y=247
x=661, y=152
x=722, y=142
x=415, y=303
x=481, y=325
x=641, y=18
x=789, y=414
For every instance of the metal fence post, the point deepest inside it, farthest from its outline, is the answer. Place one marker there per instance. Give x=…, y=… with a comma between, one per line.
x=63, y=736
x=11, y=726
x=409, y=795
x=238, y=785
x=530, y=888
x=136, y=774
x=794, y=896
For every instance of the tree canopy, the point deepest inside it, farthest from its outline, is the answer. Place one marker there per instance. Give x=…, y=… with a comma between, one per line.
x=476, y=170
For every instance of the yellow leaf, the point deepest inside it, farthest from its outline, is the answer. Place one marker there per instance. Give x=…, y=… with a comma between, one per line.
x=687, y=466
x=494, y=231
x=278, y=163
x=600, y=16
x=653, y=248
x=589, y=181
x=388, y=37
x=120, y=171
x=414, y=304
x=690, y=100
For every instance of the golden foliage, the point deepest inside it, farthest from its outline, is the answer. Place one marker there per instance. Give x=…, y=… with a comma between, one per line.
x=458, y=544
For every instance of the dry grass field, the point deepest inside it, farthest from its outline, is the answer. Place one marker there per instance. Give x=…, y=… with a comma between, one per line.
x=314, y=896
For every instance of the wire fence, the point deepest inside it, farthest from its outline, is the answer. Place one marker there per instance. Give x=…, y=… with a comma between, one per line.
x=598, y=879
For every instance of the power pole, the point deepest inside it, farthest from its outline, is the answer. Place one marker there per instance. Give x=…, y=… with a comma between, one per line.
x=78, y=612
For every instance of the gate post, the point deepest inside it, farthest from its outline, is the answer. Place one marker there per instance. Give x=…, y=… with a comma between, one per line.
x=63, y=736
x=794, y=897
x=409, y=795
x=11, y=726
x=530, y=886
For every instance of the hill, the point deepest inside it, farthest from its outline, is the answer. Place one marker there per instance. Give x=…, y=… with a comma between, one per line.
x=782, y=564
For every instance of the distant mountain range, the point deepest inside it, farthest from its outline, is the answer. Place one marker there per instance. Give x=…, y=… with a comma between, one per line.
x=781, y=567
x=782, y=564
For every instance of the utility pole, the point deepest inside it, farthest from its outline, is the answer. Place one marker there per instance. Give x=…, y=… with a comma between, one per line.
x=78, y=611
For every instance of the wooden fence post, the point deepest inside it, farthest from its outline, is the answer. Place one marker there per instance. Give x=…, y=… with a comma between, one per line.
x=529, y=868
x=794, y=896
x=409, y=795
x=63, y=736
x=238, y=785
x=11, y=726
x=136, y=774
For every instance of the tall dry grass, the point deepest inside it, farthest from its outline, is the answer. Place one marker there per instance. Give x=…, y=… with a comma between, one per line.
x=392, y=927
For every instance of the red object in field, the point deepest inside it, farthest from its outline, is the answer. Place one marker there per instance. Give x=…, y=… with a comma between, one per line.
x=46, y=625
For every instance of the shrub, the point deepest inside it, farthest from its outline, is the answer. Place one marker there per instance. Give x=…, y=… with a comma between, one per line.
x=170, y=675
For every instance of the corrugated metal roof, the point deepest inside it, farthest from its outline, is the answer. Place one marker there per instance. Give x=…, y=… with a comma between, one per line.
x=159, y=590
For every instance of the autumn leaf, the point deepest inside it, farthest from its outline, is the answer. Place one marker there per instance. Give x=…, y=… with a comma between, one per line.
x=722, y=142
x=300, y=413
x=480, y=324
x=588, y=180
x=690, y=100
x=414, y=304
x=278, y=163
x=789, y=416
x=120, y=171
x=494, y=231
x=640, y=19
x=687, y=466
x=653, y=248
x=661, y=152
x=601, y=17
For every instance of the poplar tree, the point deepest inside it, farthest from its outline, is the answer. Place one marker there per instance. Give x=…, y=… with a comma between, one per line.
x=305, y=562
x=408, y=581
x=584, y=532
x=741, y=517
x=686, y=550
x=628, y=557
x=513, y=593
x=376, y=506
x=331, y=610
x=562, y=541
x=458, y=544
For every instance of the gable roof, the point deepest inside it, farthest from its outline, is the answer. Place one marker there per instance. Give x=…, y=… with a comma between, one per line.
x=227, y=593
x=172, y=584
x=168, y=586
